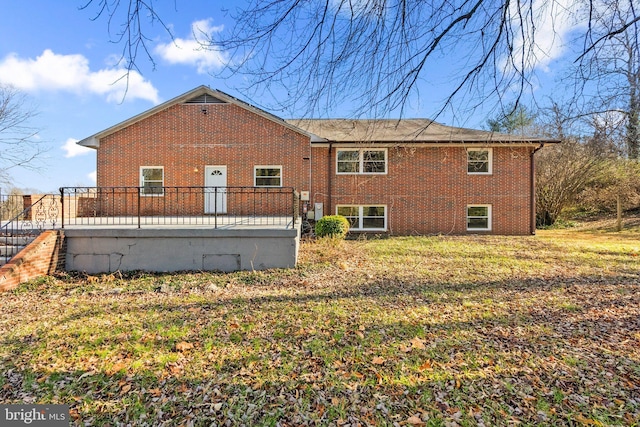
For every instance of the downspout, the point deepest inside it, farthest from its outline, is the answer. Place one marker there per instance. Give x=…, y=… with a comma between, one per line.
x=532, y=190
x=329, y=212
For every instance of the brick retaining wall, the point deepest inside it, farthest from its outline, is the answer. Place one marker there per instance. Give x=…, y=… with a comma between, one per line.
x=43, y=256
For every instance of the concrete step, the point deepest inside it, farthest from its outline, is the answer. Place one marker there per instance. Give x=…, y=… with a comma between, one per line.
x=8, y=251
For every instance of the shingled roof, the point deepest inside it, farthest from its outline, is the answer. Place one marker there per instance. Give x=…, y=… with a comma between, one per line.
x=404, y=130
x=347, y=131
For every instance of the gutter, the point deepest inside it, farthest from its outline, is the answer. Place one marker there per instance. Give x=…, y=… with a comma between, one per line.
x=532, y=189
x=329, y=211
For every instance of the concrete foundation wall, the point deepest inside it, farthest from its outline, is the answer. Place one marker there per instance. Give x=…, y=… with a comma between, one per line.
x=168, y=250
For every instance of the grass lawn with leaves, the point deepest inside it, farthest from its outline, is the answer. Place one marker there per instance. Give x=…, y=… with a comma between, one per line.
x=406, y=331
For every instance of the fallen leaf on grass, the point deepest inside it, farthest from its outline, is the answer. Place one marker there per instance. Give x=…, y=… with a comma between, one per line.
x=426, y=366
x=184, y=346
x=417, y=343
x=587, y=421
x=155, y=392
x=415, y=421
x=378, y=376
x=378, y=360
x=118, y=366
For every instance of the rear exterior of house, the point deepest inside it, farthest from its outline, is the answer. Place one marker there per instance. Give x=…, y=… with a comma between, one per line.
x=386, y=176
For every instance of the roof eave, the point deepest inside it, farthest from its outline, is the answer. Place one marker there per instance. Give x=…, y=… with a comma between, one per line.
x=91, y=142
x=441, y=143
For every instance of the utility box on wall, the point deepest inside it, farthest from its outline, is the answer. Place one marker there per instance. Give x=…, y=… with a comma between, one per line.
x=318, y=210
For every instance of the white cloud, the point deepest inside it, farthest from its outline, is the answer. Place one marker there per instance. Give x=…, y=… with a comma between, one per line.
x=74, y=149
x=71, y=73
x=544, y=37
x=93, y=176
x=195, y=50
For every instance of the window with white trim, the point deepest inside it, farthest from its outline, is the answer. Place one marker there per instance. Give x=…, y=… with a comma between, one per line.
x=267, y=176
x=361, y=161
x=152, y=180
x=479, y=161
x=478, y=217
x=364, y=218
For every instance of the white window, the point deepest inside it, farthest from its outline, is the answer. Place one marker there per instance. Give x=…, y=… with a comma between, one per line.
x=268, y=176
x=479, y=161
x=365, y=161
x=152, y=180
x=365, y=218
x=478, y=217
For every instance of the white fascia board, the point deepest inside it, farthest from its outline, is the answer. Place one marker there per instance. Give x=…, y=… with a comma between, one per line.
x=91, y=142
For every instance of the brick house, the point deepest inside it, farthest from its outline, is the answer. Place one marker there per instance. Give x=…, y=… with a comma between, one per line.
x=399, y=177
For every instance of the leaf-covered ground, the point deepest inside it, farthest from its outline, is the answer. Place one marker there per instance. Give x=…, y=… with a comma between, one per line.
x=441, y=331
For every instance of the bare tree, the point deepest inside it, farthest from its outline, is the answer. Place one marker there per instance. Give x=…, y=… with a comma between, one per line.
x=562, y=172
x=376, y=52
x=128, y=22
x=608, y=71
x=19, y=146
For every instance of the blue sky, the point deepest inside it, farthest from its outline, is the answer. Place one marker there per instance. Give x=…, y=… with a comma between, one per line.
x=66, y=65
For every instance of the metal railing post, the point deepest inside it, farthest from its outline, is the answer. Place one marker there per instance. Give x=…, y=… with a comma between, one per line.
x=293, y=209
x=62, y=206
x=139, y=199
x=215, y=207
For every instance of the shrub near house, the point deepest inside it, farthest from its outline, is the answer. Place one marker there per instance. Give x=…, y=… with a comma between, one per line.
x=335, y=226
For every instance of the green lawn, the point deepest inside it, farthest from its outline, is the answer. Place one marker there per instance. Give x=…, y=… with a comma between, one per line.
x=436, y=331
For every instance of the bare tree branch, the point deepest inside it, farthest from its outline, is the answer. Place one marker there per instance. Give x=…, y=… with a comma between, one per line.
x=131, y=17
x=19, y=145
x=378, y=54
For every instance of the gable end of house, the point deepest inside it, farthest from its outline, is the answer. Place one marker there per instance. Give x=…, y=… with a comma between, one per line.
x=201, y=95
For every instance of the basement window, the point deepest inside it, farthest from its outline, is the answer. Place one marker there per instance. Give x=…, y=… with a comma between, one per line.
x=364, y=218
x=152, y=180
x=479, y=218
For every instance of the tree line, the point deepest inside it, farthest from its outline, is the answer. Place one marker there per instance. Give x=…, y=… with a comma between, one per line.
x=590, y=172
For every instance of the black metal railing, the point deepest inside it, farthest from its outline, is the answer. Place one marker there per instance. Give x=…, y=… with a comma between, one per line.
x=29, y=222
x=151, y=206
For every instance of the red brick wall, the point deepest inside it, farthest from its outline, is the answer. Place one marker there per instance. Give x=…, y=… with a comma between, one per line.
x=184, y=140
x=43, y=256
x=427, y=189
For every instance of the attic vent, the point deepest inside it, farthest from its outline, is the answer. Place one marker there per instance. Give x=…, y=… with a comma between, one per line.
x=204, y=99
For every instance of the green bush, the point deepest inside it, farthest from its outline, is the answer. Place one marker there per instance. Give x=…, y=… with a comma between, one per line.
x=335, y=226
